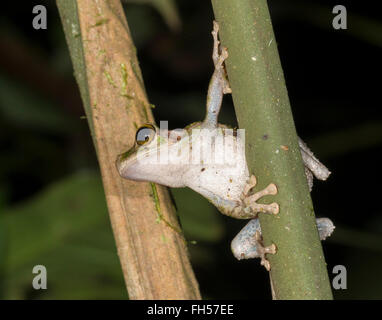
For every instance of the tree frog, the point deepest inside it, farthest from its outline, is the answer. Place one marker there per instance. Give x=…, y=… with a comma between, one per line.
x=194, y=157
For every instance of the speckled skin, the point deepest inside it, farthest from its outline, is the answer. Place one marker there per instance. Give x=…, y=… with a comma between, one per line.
x=245, y=245
x=226, y=184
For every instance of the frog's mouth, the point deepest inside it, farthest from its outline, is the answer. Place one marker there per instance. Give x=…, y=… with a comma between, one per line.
x=129, y=164
x=124, y=161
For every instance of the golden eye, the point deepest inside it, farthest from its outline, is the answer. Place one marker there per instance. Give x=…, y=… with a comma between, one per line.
x=145, y=134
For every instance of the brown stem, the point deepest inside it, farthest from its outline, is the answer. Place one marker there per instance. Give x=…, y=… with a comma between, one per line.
x=153, y=256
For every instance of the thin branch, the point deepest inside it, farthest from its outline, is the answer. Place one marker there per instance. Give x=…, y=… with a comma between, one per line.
x=153, y=256
x=263, y=109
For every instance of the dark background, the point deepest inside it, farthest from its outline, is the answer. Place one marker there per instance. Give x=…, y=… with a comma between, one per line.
x=52, y=206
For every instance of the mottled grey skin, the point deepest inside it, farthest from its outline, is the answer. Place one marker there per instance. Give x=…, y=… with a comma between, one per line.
x=228, y=187
x=245, y=245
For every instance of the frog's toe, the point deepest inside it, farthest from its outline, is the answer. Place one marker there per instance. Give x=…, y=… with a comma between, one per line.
x=224, y=54
x=262, y=251
x=271, y=189
x=227, y=88
x=272, y=208
x=252, y=180
x=251, y=183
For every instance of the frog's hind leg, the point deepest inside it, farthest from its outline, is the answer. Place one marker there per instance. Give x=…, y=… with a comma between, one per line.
x=248, y=244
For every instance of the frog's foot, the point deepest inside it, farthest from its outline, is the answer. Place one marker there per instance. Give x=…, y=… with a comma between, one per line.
x=248, y=244
x=218, y=58
x=249, y=207
x=262, y=251
x=215, y=50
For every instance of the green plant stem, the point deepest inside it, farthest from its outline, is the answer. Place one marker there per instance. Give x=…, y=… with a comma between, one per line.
x=263, y=109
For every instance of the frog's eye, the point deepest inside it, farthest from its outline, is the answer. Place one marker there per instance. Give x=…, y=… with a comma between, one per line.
x=145, y=134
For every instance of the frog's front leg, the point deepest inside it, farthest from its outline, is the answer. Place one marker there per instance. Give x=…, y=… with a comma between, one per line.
x=312, y=165
x=219, y=84
x=248, y=207
x=218, y=59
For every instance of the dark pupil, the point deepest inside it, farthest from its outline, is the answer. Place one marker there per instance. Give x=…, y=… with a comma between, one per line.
x=143, y=134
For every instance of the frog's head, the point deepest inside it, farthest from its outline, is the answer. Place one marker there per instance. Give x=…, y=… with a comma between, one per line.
x=134, y=162
x=144, y=161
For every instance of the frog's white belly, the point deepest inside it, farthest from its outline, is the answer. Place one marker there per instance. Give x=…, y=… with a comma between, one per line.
x=222, y=182
x=223, y=178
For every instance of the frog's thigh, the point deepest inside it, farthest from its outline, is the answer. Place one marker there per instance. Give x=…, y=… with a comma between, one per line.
x=244, y=245
x=225, y=206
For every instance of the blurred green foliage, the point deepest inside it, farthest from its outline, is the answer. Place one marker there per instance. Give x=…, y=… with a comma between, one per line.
x=52, y=206
x=65, y=228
